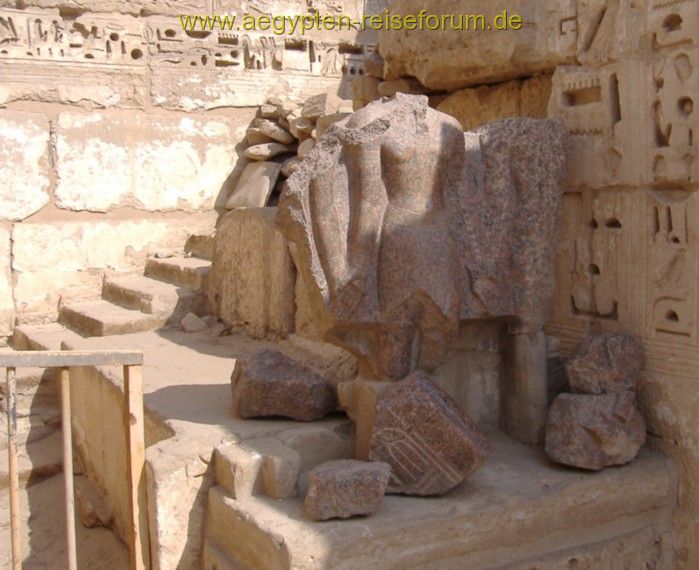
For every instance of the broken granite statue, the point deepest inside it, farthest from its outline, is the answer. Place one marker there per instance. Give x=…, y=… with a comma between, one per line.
x=404, y=226
x=430, y=444
x=599, y=424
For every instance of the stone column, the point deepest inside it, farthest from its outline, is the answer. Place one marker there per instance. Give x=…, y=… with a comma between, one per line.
x=524, y=393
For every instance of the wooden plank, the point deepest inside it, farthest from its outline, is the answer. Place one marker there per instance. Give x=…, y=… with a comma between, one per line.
x=12, y=464
x=135, y=465
x=67, y=429
x=64, y=359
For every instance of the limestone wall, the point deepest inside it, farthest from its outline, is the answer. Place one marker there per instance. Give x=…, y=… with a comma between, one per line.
x=625, y=79
x=120, y=132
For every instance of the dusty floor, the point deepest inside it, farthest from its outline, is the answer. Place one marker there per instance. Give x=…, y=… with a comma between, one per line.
x=44, y=536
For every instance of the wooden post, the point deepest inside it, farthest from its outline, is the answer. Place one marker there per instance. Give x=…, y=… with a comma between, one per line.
x=135, y=461
x=12, y=464
x=68, y=468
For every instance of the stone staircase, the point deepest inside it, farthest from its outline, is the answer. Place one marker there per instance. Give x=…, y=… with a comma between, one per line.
x=169, y=290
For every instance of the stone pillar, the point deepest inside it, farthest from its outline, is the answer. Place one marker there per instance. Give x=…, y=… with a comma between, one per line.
x=524, y=393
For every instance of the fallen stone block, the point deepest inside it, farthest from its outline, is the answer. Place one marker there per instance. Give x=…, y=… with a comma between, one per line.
x=319, y=105
x=268, y=150
x=594, y=432
x=430, y=444
x=301, y=127
x=275, y=131
x=290, y=165
x=270, y=383
x=255, y=185
x=254, y=136
x=346, y=488
x=605, y=363
x=191, y=323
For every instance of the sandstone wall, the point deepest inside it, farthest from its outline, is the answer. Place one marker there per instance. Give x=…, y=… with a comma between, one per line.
x=625, y=79
x=120, y=133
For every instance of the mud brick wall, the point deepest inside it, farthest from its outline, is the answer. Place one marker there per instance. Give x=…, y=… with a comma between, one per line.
x=120, y=133
x=626, y=81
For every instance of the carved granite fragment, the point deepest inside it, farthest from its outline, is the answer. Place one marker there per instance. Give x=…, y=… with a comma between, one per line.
x=430, y=444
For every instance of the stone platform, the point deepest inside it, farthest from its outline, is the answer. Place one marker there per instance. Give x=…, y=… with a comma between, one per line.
x=519, y=511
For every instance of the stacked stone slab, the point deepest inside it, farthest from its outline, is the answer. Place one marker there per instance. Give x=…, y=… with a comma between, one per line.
x=598, y=424
x=282, y=135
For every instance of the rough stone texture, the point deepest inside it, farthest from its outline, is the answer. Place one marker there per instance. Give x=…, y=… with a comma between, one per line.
x=447, y=59
x=594, y=432
x=343, y=489
x=105, y=160
x=489, y=103
x=24, y=164
x=427, y=440
x=252, y=278
x=254, y=186
x=320, y=105
x=271, y=384
x=266, y=151
x=274, y=131
x=377, y=258
x=604, y=364
x=93, y=510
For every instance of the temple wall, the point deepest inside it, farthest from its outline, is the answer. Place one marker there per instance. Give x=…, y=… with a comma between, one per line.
x=625, y=76
x=120, y=133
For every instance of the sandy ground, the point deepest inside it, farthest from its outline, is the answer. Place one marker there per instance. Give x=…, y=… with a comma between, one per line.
x=44, y=536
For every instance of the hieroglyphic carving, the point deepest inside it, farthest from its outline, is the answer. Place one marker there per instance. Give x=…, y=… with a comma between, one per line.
x=590, y=103
x=673, y=23
x=672, y=263
x=676, y=81
x=42, y=35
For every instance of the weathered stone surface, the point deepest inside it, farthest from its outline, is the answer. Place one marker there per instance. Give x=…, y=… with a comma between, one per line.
x=605, y=363
x=265, y=151
x=192, y=323
x=254, y=136
x=406, y=86
x=301, y=127
x=482, y=105
x=364, y=91
x=93, y=510
x=373, y=65
x=343, y=489
x=324, y=123
x=319, y=105
x=24, y=164
x=255, y=185
x=274, y=131
x=249, y=289
x=105, y=160
x=271, y=384
x=306, y=147
x=290, y=165
x=450, y=59
x=594, y=432
x=427, y=440
x=415, y=246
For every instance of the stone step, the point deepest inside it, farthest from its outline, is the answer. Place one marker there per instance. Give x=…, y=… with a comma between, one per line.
x=42, y=337
x=102, y=318
x=201, y=246
x=518, y=511
x=189, y=272
x=153, y=297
